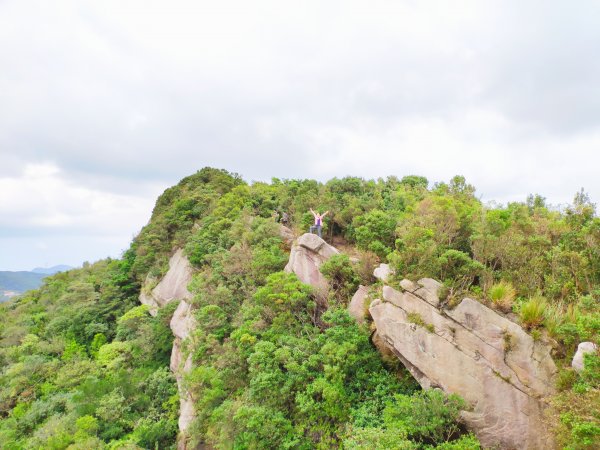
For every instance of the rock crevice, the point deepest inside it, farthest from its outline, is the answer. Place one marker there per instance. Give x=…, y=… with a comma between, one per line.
x=472, y=351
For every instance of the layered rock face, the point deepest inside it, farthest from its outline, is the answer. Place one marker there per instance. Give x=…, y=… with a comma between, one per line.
x=472, y=351
x=306, y=256
x=173, y=287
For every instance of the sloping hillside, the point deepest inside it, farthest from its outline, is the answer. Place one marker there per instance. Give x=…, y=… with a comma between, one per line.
x=274, y=363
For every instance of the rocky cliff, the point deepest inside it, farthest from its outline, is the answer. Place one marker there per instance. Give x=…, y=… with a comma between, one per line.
x=490, y=361
x=172, y=287
x=472, y=351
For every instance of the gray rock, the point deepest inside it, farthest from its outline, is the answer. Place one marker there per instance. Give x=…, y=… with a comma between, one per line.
x=582, y=349
x=356, y=307
x=382, y=272
x=493, y=364
x=172, y=287
x=306, y=256
x=409, y=286
x=287, y=235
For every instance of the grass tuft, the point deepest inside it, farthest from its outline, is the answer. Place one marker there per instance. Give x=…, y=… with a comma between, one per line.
x=502, y=295
x=533, y=312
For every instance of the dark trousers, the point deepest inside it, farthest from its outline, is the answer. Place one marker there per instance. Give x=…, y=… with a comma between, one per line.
x=316, y=228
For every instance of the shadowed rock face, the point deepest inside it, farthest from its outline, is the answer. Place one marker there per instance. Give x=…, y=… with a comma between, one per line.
x=471, y=351
x=173, y=287
x=306, y=256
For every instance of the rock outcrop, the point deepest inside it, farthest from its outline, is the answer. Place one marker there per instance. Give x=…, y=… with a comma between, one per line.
x=356, y=307
x=173, y=287
x=306, y=256
x=582, y=349
x=472, y=351
x=287, y=235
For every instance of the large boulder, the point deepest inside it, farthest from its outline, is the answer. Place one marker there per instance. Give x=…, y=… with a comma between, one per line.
x=173, y=286
x=306, y=256
x=582, y=349
x=491, y=362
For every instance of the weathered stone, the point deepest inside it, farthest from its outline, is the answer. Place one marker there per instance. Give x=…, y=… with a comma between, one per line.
x=186, y=404
x=306, y=256
x=429, y=291
x=473, y=352
x=183, y=322
x=582, y=349
x=172, y=287
x=287, y=235
x=356, y=307
x=409, y=286
x=382, y=272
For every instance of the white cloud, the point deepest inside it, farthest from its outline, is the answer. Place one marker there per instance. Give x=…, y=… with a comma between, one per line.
x=40, y=198
x=102, y=104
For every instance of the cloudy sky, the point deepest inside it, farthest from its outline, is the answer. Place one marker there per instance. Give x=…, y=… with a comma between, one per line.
x=105, y=104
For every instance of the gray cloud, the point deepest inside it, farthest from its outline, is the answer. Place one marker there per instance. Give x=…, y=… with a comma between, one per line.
x=122, y=99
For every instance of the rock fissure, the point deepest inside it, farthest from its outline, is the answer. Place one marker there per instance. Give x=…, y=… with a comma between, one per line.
x=504, y=382
x=476, y=356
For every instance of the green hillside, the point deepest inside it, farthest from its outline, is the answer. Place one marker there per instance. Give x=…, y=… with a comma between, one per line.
x=85, y=366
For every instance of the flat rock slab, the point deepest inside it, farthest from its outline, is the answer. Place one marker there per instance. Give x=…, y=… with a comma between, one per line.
x=472, y=351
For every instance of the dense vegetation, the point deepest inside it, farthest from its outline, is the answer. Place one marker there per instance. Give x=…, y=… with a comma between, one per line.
x=273, y=368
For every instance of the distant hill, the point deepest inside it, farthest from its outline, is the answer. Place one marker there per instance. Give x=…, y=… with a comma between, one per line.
x=14, y=283
x=52, y=270
x=20, y=281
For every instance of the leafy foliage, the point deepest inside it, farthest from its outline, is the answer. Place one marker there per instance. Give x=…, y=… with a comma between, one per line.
x=84, y=366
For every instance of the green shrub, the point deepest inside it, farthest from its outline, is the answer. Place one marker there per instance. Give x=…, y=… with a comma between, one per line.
x=378, y=439
x=532, y=312
x=429, y=417
x=466, y=442
x=502, y=295
x=342, y=278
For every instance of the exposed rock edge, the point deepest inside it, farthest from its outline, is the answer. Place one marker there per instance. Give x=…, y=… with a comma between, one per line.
x=173, y=287
x=491, y=362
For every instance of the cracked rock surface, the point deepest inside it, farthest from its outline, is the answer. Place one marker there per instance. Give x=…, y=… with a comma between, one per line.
x=491, y=362
x=306, y=256
x=173, y=287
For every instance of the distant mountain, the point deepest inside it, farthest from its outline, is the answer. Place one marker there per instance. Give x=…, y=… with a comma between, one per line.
x=15, y=283
x=20, y=281
x=52, y=270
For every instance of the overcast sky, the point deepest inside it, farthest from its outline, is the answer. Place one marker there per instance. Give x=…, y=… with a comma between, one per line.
x=104, y=104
